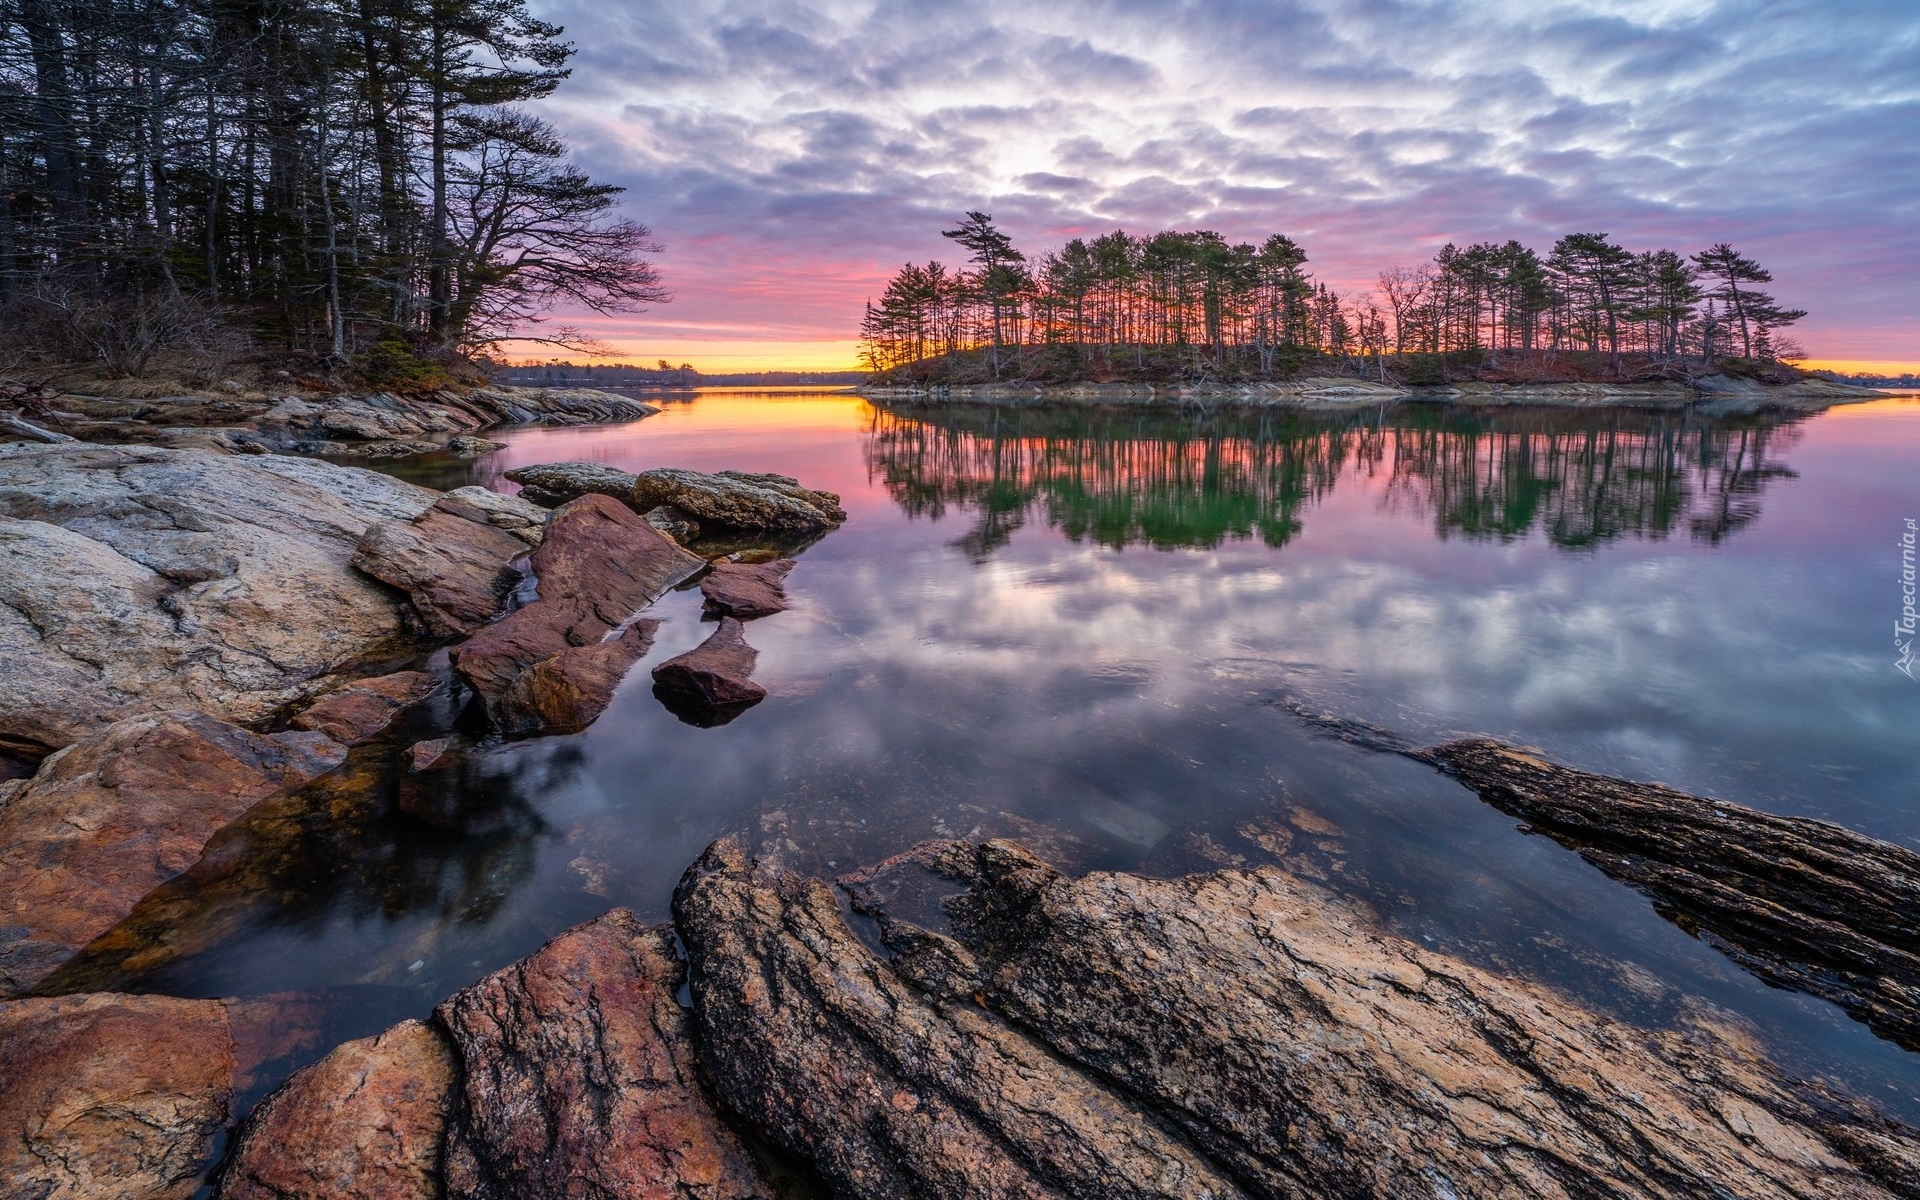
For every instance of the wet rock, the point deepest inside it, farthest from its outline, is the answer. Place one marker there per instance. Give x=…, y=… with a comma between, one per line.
x=364, y=1123
x=553, y=484
x=457, y=572
x=518, y=517
x=364, y=710
x=674, y=522
x=599, y=564
x=433, y=780
x=474, y=447
x=888, y=1092
x=746, y=590
x=135, y=579
x=568, y=692
x=112, y=817
x=1801, y=903
x=738, y=499
x=110, y=1096
x=1308, y=1053
x=578, y=1077
x=713, y=678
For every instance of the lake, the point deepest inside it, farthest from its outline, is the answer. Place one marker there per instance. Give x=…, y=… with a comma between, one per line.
x=1098, y=629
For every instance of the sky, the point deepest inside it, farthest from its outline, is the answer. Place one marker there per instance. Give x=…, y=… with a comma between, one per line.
x=792, y=154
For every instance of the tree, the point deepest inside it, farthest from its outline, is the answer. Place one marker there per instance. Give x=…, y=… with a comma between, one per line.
x=1748, y=309
x=998, y=269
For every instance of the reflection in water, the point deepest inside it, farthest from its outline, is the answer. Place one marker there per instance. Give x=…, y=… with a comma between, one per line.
x=1120, y=476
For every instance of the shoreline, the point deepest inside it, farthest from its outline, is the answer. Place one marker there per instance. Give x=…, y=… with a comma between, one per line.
x=1721, y=395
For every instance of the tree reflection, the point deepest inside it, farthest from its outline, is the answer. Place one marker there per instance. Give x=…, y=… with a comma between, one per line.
x=1167, y=479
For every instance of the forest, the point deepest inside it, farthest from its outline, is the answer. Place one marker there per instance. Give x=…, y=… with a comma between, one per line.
x=348, y=181
x=1192, y=305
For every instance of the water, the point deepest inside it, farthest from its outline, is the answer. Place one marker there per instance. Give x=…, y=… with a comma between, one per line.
x=1091, y=629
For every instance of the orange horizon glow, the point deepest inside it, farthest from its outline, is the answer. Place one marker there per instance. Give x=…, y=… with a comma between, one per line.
x=717, y=357
x=1861, y=366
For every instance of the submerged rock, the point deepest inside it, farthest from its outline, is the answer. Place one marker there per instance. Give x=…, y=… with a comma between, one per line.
x=1801, y=903
x=136, y=579
x=114, y=816
x=578, y=1078
x=553, y=484
x=746, y=590
x=711, y=683
x=599, y=564
x=364, y=1123
x=364, y=709
x=457, y=571
x=738, y=499
x=468, y=446
x=1296, y=1049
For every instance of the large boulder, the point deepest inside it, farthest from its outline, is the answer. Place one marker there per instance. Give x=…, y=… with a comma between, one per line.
x=136, y=579
x=598, y=565
x=1801, y=903
x=578, y=1078
x=457, y=571
x=746, y=590
x=366, y=1122
x=114, y=816
x=553, y=484
x=1238, y=1032
x=711, y=683
x=738, y=500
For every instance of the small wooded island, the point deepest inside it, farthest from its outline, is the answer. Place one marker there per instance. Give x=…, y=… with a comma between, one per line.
x=1188, y=313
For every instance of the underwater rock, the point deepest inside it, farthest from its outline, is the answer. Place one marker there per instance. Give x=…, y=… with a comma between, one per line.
x=738, y=499
x=713, y=678
x=364, y=709
x=1801, y=903
x=116, y=815
x=1296, y=1048
x=746, y=590
x=578, y=1077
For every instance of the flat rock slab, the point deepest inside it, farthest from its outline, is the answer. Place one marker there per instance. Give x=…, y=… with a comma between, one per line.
x=456, y=571
x=1803, y=904
x=599, y=564
x=1295, y=1048
x=746, y=590
x=114, y=816
x=364, y=1123
x=578, y=1078
x=135, y=579
x=738, y=500
x=365, y=709
x=713, y=678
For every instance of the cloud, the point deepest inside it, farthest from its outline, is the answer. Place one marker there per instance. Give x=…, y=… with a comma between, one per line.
x=792, y=153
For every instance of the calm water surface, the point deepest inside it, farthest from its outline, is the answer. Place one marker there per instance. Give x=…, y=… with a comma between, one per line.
x=1092, y=628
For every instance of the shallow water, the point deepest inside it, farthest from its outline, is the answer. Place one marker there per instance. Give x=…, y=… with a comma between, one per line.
x=1092, y=629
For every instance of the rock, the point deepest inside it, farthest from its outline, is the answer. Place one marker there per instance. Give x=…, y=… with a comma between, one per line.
x=553, y=484
x=738, y=500
x=888, y=1093
x=474, y=447
x=599, y=564
x=362, y=711
x=364, y=1123
x=712, y=679
x=109, y=1096
x=135, y=579
x=457, y=572
x=114, y=816
x=578, y=1077
x=1308, y=1053
x=568, y=692
x=673, y=522
x=526, y=521
x=746, y=591
x=1803, y=904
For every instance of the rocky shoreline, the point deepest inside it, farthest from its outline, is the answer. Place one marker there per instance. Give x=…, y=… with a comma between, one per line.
x=209, y=640
x=1713, y=393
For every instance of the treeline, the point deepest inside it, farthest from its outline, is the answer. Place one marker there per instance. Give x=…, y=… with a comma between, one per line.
x=330, y=174
x=1242, y=309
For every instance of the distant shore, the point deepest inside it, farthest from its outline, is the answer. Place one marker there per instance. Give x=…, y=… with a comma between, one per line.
x=1716, y=392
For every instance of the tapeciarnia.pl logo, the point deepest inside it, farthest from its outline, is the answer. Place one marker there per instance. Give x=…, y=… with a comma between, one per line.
x=1903, y=629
